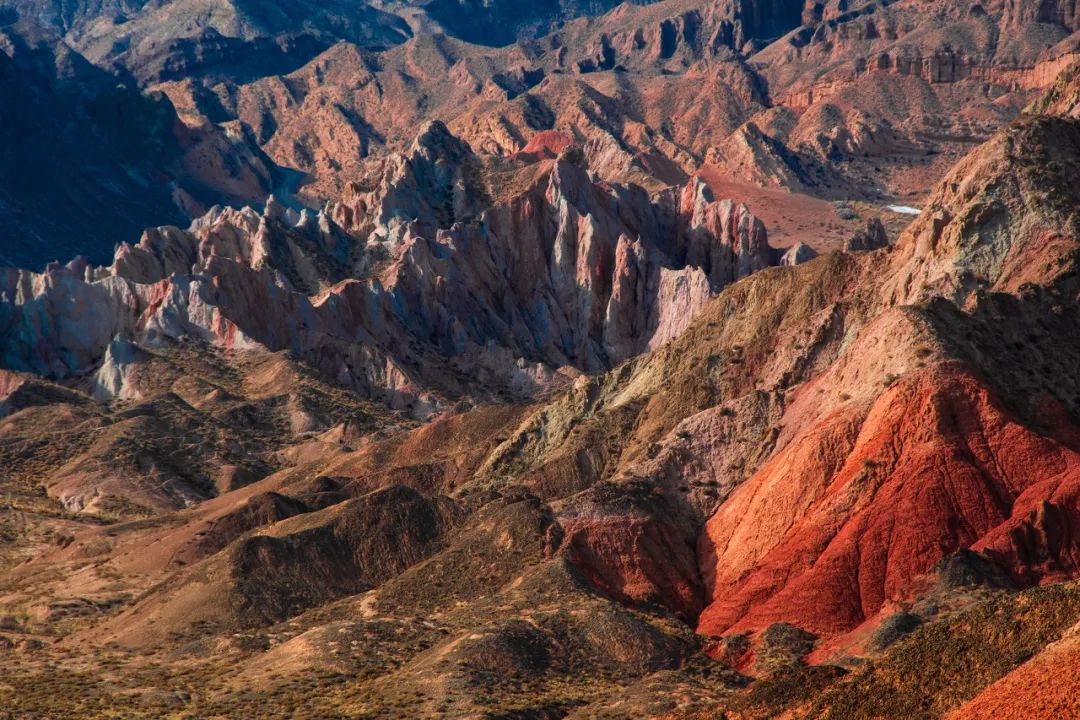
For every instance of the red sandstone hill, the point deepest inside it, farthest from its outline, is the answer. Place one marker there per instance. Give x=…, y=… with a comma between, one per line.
x=875, y=491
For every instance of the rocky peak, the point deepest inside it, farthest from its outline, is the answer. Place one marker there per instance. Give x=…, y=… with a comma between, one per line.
x=1003, y=217
x=437, y=183
x=797, y=254
x=572, y=272
x=724, y=238
x=435, y=143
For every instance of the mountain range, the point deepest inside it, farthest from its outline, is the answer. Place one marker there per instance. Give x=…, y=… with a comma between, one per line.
x=677, y=360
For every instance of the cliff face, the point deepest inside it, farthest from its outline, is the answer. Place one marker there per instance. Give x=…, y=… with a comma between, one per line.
x=943, y=43
x=762, y=20
x=1052, y=12
x=570, y=272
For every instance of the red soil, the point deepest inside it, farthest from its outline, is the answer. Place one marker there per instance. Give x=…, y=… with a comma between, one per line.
x=936, y=466
x=545, y=145
x=789, y=217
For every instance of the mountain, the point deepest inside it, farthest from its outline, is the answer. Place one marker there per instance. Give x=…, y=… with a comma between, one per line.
x=167, y=40
x=866, y=102
x=415, y=292
x=872, y=102
x=87, y=159
x=601, y=370
x=498, y=436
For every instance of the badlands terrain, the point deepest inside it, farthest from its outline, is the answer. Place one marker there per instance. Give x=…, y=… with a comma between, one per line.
x=515, y=360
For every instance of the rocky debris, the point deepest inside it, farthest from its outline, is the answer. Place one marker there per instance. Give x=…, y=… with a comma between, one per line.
x=797, y=254
x=870, y=237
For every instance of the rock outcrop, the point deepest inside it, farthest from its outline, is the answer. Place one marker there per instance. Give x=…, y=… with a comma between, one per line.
x=797, y=254
x=870, y=237
x=970, y=237
x=933, y=459
x=420, y=286
x=934, y=466
x=509, y=428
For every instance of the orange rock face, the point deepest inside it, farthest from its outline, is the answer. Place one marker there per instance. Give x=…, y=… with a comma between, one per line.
x=1047, y=686
x=840, y=522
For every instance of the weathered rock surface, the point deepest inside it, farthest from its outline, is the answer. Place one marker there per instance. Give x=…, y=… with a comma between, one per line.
x=934, y=466
x=867, y=460
x=621, y=273
x=871, y=237
x=1039, y=686
x=797, y=254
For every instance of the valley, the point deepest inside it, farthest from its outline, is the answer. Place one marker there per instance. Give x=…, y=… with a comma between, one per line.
x=676, y=360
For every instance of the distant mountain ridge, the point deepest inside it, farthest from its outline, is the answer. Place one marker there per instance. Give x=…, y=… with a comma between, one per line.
x=868, y=100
